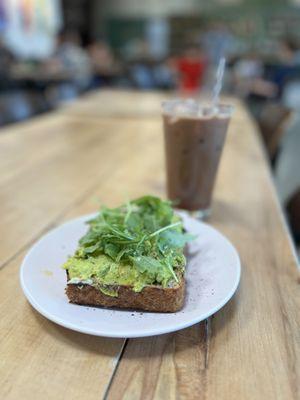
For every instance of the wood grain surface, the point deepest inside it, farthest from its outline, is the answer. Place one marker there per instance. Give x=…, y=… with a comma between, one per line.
x=117, y=104
x=63, y=165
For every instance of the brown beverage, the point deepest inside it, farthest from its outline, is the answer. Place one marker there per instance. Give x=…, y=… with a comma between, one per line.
x=193, y=145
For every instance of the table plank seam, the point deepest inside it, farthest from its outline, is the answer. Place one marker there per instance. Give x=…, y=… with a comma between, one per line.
x=118, y=361
x=207, y=339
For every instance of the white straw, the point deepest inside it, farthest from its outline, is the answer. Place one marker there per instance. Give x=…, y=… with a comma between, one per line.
x=219, y=80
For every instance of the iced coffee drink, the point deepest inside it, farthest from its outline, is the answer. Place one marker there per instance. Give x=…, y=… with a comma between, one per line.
x=194, y=140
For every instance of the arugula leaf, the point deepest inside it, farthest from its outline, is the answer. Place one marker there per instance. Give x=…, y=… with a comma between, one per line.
x=112, y=250
x=171, y=238
x=144, y=233
x=147, y=264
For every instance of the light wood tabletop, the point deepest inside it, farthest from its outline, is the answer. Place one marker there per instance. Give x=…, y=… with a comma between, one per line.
x=63, y=165
x=117, y=103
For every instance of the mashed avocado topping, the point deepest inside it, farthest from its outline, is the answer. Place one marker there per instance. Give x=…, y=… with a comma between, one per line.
x=137, y=244
x=104, y=271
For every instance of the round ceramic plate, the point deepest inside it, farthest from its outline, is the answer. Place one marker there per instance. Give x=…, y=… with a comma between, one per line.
x=212, y=277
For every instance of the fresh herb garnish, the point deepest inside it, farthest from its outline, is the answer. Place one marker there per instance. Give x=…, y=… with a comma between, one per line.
x=144, y=233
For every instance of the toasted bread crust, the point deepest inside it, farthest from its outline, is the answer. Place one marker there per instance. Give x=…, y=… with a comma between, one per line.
x=151, y=298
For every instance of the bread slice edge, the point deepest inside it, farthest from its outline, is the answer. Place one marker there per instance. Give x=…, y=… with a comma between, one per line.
x=151, y=298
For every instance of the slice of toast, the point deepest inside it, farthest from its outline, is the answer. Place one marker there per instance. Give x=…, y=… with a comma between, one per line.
x=151, y=298
x=139, y=245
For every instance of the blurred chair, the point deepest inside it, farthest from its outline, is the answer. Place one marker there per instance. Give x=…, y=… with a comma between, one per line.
x=14, y=107
x=273, y=121
x=19, y=105
x=293, y=214
x=291, y=95
x=61, y=93
x=142, y=76
x=287, y=176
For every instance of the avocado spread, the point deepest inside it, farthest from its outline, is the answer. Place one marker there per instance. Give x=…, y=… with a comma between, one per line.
x=137, y=244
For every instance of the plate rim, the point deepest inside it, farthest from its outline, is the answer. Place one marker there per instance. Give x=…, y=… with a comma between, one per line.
x=130, y=334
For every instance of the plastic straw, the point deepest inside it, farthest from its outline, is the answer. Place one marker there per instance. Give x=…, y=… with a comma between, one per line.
x=219, y=81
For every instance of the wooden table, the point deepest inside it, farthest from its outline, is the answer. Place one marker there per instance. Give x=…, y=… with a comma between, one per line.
x=60, y=166
x=117, y=104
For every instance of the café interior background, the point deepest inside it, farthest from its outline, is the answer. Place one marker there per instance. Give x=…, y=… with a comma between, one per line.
x=53, y=52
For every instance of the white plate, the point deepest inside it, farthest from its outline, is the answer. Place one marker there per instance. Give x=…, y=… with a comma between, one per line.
x=212, y=276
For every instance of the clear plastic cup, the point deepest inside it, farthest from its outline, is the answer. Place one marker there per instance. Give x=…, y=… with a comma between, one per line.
x=194, y=139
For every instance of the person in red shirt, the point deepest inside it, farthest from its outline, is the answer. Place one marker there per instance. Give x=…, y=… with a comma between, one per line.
x=190, y=68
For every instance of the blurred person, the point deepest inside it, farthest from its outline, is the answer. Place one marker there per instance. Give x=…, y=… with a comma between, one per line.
x=286, y=68
x=70, y=57
x=217, y=42
x=142, y=76
x=14, y=103
x=101, y=56
x=7, y=60
x=157, y=33
x=288, y=51
x=146, y=69
x=15, y=106
x=104, y=64
x=136, y=49
x=140, y=63
x=71, y=66
x=190, y=68
x=248, y=77
x=164, y=75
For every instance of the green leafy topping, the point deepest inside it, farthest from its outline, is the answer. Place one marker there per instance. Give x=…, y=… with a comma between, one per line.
x=144, y=235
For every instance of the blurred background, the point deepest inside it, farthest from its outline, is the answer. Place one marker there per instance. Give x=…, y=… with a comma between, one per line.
x=54, y=51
